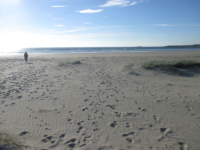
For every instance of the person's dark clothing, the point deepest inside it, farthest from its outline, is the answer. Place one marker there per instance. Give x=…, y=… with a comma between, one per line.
x=26, y=56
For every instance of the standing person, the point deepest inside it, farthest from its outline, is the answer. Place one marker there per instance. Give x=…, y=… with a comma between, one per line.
x=26, y=56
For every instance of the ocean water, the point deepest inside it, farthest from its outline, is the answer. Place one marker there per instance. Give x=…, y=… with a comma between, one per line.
x=65, y=50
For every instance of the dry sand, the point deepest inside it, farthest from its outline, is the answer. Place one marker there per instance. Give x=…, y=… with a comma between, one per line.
x=97, y=105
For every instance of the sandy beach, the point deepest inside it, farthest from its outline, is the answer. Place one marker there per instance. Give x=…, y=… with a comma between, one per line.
x=97, y=104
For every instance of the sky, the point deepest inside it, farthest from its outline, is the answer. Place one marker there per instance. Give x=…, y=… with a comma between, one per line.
x=98, y=23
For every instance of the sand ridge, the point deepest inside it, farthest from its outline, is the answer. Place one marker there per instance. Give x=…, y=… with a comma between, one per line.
x=97, y=104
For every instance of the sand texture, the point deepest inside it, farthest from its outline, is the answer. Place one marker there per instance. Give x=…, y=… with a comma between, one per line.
x=98, y=104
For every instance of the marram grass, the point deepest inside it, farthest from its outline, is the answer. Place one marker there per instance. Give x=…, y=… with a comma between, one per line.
x=68, y=63
x=76, y=62
x=170, y=65
x=11, y=141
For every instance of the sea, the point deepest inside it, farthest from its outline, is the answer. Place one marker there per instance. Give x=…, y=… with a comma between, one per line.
x=68, y=50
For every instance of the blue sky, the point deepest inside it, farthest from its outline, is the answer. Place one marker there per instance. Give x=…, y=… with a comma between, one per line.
x=89, y=23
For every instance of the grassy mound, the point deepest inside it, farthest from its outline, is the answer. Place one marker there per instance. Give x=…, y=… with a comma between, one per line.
x=170, y=64
x=8, y=141
x=76, y=62
x=68, y=63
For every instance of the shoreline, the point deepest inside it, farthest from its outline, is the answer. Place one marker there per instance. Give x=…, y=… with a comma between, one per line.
x=68, y=53
x=97, y=105
x=103, y=54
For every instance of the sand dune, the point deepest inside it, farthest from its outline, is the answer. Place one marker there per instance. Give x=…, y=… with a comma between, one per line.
x=97, y=105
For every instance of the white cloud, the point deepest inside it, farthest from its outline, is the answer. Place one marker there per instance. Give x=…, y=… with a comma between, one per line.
x=87, y=22
x=58, y=25
x=58, y=18
x=75, y=30
x=115, y=3
x=162, y=25
x=137, y=2
x=176, y=25
x=122, y=3
x=2, y=22
x=90, y=11
x=58, y=6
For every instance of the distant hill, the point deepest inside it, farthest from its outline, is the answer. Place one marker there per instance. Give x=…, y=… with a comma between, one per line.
x=195, y=45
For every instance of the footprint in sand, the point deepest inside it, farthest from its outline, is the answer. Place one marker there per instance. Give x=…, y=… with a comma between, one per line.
x=111, y=106
x=24, y=133
x=183, y=146
x=69, y=120
x=142, y=109
x=160, y=138
x=79, y=129
x=128, y=125
x=53, y=141
x=47, y=138
x=90, y=117
x=129, y=139
x=130, y=133
x=118, y=114
x=86, y=137
x=19, y=97
x=113, y=124
x=165, y=131
x=71, y=143
x=70, y=112
x=86, y=100
x=79, y=123
x=84, y=109
x=156, y=118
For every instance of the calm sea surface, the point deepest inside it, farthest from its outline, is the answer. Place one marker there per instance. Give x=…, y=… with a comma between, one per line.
x=65, y=50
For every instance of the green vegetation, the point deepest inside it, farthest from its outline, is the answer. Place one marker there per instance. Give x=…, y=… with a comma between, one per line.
x=130, y=69
x=8, y=141
x=132, y=73
x=128, y=66
x=76, y=62
x=169, y=64
x=68, y=63
x=173, y=66
x=63, y=63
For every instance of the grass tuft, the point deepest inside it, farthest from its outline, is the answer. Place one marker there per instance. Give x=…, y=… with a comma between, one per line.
x=132, y=73
x=76, y=62
x=68, y=63
x=169, y=65
x=129, y=66
x=9, y=141
x=63, y=63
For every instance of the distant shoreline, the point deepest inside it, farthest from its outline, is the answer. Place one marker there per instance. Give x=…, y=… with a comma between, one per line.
x=195, y=45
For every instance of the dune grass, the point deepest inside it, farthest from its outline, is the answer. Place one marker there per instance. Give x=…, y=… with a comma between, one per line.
x=129, y=70
x=63, y=63
x=171, y=66
x=10, y=141
x=128, y=66
x=68, y=63
x=165, y=65
x=76, y=62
